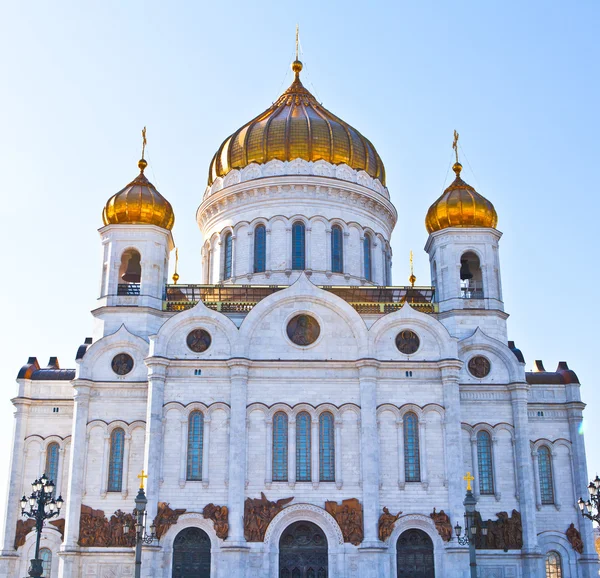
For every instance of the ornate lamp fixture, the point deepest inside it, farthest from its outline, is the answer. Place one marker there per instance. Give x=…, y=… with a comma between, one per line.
x=591, y=508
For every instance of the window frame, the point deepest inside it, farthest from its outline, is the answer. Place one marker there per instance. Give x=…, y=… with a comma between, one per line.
x=298, y=246
x=51, y=470
x=546, y=476
x=46, y=562
x=367, y=257
x=260, y=249
x=337, y=249
x=280, y=458
x=116, y=460
x=303, y=447
x=228, y=255
x=485, y=454
x=557, y=572
x=412, y=450
x=194, y=455
x=326, y=447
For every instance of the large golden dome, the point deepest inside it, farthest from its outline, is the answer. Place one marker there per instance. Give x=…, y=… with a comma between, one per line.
x=296, y=126
x=139, y=203
x=460, y=206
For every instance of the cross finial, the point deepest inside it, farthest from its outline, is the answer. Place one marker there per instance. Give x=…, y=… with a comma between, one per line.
x=142, y=476
x=143, y=142
x=176, y=275
x=412, y=277
x=468, y=478
x=455, y=145
x=297, y=42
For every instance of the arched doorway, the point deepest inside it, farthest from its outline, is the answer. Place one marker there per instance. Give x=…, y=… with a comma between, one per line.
x=191, y=554
x=414, y=555
x=303, y=552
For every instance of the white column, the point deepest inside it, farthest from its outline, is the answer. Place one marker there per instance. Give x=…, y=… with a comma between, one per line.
x=59, y=471
x=161, y=480
x=251, y=252
x=339, y=482
x=104, y=470
x=536, y=478
x=555, y=484
x=269, y=452
x=374, y=261
x=423, y=452
x=126, y=450
x=233, y=255
x=205, y=451
x=514, y=451
x=400, y=436
x=345, y=238
x=183, y=451
x=314, y=447
x=307, y=248
x=475, y=465
x=268, y=250
x=495, y=455
x=292, y=451
x=328, y=260
x=288, y=247
x=361, y=253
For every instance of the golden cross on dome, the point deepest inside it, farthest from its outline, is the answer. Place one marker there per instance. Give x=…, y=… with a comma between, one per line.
x=176, y=275
x=297, y=35
x=143, y=142
x=468, y=478
x=455, y=144
x=143, y=476
x=412, y=277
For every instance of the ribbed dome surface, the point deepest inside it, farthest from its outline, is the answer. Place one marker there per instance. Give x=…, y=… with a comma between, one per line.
x=460, y=206
x=139, y=203
x=296, y=126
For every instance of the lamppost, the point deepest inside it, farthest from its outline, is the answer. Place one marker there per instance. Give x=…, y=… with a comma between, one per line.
x=42, y=506
x=591, y=508
x=470, y=526
x=141, y=537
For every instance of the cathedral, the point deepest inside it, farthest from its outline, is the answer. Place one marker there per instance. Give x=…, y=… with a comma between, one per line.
x=294, y=414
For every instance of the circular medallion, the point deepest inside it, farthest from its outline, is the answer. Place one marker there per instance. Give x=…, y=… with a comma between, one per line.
x=407, y=342
x=479, y=366
x=303, y=330
x=122, y=363
x=199, y=340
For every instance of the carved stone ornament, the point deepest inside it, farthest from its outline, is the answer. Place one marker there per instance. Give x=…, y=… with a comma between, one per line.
x=303, y=330
x=220, y=517
x=407, y=342
x=258, y=513
x=198, y=340
x=503, y=534
x=479, y=366
x=442, y=524
x=574, y=537
x=165, y=518
x=386, y=524
x=349, y=516
x=122, y=363
x=96, y=530
x=23, y=528
x=60, y=526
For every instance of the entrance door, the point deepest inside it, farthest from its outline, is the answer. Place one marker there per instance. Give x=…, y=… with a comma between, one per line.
x=191, y=554
x=303, y=552
x=414, y=555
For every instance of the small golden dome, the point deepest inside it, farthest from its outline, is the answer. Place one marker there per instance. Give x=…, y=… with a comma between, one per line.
x=296, y=126
x=139, y=203
x=460, y=206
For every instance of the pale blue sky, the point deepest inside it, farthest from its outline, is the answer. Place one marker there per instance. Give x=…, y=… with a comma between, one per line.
x=518, y=80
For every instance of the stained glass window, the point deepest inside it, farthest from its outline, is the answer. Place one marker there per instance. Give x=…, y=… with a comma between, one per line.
x=115, y=469
x=52, y=462
x=553, y=565
x=545, y=469
x=46, y=558
x=228, y=244
x=337, y=249
x=303, y=448
x=260, y=248
x=280, y=447
x=484, y=462
x=298, y=248
x=195, y=443
x=326, y=448
x=412, y=466
x=367, y=257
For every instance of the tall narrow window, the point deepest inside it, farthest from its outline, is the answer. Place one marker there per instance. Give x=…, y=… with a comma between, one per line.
x=326, y=448
x=388, y=267
x=46, y=558
x=367, y=257
x=228, y=249
x=280, y=447
x=195, y=443
x=484, y=462
x=303, y=448
x=260, y=249
x=52, y=462
x=337, y=249
x=553, y=565
x=115, y=467
x=412, y=466
x=298, y=246
x=545, y=469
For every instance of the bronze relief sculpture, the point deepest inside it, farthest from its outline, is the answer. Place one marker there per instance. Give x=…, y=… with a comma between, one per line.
x=220, y=517
x=258, y=513
x=303, y=330
x=23, y=528
x=574, y=537
x=505, y=533
x=386, y=524
x=198, y=340
x=349, y=516
x=96, y=530
x=165, y=518
x=442, y=524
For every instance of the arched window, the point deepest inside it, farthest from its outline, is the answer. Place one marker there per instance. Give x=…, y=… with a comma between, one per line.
x=260, y=249
x=326, y=448
x=337, y=249
x=303, y=447
x=280, y=447
x=545, y=470
x=195, y=443
x=553, y=565
x=52, y=462
x=130, y=273
x=484, y=462
x=115, y=467
x=412, y=466
x=298, y=246
x=471, y=277
x=46, y=558
x=227, y=253
x=367, y=257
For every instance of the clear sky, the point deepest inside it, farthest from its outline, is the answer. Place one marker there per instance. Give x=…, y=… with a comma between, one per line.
x=518, y=80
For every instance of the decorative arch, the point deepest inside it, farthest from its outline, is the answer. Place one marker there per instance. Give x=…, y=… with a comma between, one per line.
x=51, y=539
x=556, y=541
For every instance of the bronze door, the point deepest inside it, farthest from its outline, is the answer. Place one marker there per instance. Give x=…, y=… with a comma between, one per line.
x=303, y=552
x=191, y=554
x=414, y=555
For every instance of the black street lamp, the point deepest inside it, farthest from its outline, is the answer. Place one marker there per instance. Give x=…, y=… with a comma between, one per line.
x=42, y=506
x=591, y=508
x=470, y=526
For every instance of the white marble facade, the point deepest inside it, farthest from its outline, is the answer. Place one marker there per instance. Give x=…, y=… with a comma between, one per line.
x=252, y=370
